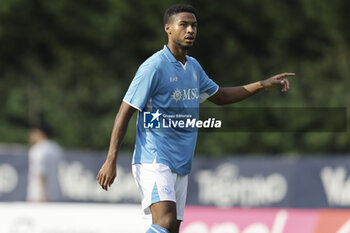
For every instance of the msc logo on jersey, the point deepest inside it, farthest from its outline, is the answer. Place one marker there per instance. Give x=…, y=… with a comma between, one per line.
x=151, y=120
x=185, y=94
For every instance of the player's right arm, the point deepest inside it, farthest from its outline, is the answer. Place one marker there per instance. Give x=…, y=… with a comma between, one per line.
x=108, y=171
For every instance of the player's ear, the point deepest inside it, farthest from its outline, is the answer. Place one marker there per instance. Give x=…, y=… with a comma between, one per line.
x=167, y=28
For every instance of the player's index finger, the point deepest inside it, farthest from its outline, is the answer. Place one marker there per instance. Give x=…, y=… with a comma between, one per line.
x=281, y=76
x=288, y=74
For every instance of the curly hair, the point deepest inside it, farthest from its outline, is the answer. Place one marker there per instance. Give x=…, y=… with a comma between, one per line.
x=177, y=8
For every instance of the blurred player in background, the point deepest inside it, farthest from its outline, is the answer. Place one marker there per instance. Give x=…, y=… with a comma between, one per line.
x=44, y=158
x=163, y=159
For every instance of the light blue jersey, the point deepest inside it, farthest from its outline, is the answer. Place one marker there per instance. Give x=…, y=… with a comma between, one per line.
x=163, y=84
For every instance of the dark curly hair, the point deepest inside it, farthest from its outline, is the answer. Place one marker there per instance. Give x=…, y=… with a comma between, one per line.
x=177, y=8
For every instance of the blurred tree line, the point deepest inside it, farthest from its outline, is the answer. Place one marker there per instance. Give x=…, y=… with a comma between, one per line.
x=70, y=63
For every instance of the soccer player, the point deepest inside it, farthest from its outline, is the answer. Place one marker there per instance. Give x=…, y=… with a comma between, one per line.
x=162, y=159
x=44, y=158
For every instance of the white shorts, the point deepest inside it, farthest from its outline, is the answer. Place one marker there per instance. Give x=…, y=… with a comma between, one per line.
x=156, y=182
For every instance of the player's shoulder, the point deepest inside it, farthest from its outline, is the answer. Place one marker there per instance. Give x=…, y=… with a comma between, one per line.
x=194, y=62
x=191, y=59
x=154, y=62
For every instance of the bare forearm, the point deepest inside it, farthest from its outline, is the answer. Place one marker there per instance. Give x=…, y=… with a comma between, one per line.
x=119, y=130
x=229, y=95
x=118, y=133
x=108, y=171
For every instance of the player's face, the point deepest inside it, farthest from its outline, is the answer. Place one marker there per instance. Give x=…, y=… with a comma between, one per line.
x=182, y=29
x=34, y=136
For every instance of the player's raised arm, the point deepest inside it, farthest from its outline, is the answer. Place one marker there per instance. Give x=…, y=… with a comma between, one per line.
x=108, y=172
x=229, y=95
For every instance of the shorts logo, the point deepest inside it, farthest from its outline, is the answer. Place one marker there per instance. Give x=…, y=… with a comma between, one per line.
x=166, y=189
x=151, y=120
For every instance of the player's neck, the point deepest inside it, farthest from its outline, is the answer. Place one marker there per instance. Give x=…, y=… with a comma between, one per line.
x=179, y=53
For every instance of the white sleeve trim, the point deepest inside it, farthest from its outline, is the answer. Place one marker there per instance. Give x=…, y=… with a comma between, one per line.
x=203, y=96
x=132, y=105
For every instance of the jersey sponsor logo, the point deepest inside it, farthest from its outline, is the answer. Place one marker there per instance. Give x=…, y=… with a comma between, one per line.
x=176, y=95
x=185, y=94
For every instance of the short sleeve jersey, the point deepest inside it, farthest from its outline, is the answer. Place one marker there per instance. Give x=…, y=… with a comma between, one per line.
x=163, y=83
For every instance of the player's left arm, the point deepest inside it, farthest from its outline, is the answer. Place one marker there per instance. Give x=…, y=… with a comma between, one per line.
x=229, y=95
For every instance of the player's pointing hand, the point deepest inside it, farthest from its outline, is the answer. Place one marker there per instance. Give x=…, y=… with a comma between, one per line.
x=279, y=80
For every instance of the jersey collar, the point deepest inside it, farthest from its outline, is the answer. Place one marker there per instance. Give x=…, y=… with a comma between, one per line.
x=166, y=51
x=171, y=58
